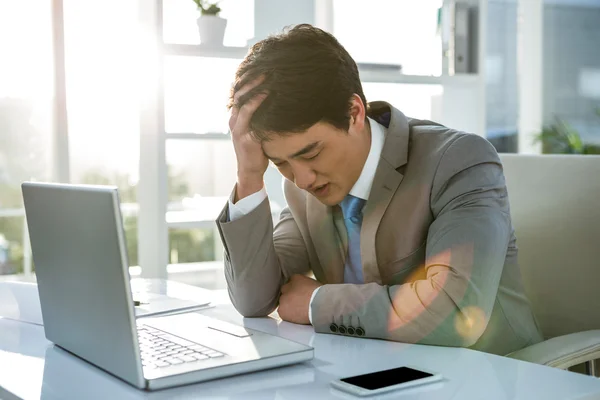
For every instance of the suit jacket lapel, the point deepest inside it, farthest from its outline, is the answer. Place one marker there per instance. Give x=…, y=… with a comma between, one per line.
x=386, y=182
x=328, y=245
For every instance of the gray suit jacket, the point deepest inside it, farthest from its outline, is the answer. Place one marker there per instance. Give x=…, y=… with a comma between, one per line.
x=438, y=248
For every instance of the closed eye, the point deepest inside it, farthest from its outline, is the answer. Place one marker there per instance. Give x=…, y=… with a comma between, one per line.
x=313, y=157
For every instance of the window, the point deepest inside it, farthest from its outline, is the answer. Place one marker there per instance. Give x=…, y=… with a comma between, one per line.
x=391, y=32
x=414, y=100
x=569, y=71
x=26, y=74
x=204, y=168
x=571, y=78
x=502, y=103
x=200, y=161
x=397, y=33
x=102, y=101
x=196, y=93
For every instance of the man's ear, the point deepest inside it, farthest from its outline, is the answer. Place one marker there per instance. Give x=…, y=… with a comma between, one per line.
x=357, y=113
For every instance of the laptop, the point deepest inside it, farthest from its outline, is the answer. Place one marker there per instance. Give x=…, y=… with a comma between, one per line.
x=80, y=257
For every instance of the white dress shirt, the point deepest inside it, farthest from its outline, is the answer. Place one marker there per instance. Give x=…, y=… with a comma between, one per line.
x=361, y=189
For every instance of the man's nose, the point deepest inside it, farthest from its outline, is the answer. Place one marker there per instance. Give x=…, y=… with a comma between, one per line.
x=304, y=177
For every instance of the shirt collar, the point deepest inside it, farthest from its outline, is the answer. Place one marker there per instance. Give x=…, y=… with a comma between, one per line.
x=362, y=187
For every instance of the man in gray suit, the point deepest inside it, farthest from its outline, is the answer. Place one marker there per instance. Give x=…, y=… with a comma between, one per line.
x=405, y=224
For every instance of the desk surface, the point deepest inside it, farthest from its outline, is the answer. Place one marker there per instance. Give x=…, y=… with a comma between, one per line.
x=31, y=368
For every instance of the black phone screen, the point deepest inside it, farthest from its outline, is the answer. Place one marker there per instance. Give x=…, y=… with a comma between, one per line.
x=389, y=377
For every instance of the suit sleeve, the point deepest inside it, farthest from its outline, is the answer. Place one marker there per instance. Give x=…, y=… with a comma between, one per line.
x=259, y=258
x=465, y=254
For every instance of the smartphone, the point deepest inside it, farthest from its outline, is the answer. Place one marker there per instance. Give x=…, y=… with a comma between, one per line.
x=385, y=381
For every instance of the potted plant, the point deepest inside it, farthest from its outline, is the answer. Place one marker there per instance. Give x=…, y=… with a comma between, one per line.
x=561, y=138
x=210, y=25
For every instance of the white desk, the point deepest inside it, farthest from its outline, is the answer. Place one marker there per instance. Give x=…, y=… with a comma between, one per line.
x=31, y=368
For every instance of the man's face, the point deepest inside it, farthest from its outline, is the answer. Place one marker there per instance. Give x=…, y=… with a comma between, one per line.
x=323, y=160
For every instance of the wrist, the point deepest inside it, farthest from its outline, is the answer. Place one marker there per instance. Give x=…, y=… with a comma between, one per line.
x=247, y=185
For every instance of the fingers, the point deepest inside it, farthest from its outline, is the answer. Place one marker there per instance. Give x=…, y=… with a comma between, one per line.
x=282, y=311
x=233, y=118
x=239, y=120
x=246, y=89
x=286, y=288
x=245, y=113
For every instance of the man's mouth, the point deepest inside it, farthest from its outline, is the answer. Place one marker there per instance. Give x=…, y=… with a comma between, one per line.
x=321, y=190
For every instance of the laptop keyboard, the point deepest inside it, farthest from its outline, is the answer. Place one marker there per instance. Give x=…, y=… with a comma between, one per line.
x=160, y=349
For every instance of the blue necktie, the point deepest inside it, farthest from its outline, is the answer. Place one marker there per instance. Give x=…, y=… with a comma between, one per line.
x=352, y=210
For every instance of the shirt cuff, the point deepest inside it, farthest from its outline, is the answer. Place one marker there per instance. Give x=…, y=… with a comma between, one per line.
x=245, y=205
x=310, y=304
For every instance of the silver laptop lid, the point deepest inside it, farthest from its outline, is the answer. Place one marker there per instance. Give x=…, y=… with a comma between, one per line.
x=81, y=265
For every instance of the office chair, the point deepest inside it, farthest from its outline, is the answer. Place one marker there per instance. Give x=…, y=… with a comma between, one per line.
x=555, y=209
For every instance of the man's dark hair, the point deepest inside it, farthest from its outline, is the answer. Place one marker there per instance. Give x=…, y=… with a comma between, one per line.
x=309, y=78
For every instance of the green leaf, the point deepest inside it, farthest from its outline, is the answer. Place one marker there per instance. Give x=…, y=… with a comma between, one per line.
x=208, y=7
x=573, y=138
x=562, y=138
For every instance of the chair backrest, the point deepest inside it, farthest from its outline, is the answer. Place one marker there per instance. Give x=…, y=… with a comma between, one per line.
x=555, y=208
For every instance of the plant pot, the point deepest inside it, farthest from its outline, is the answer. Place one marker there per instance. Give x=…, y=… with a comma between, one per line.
x=212, y=30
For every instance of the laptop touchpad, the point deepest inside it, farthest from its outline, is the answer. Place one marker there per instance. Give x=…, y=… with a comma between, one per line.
x=231, y=329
